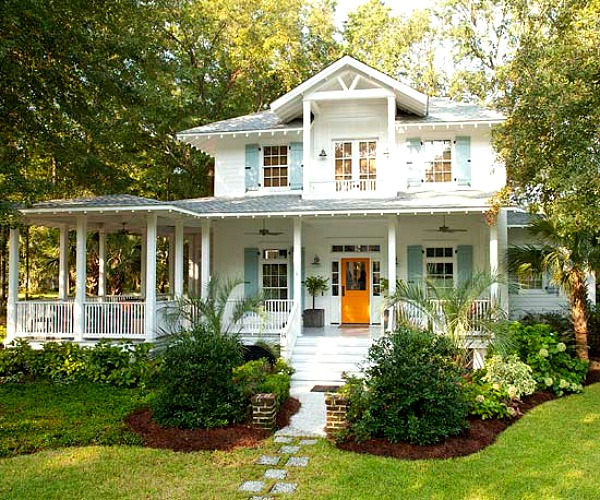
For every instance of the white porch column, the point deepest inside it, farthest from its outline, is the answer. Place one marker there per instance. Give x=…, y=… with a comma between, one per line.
x=494, y=259
x=63, y=264
x=193, y=267
x=143, y=264
x=502, y=233
x=150, y=281
x=171, y=262
x=178, y=258
x=297, y=264
x=101, y=263
x=391, y=124
x=306, y=145
x=205, y=267
x=81, y=280
x=13, y=284
x=391, y=240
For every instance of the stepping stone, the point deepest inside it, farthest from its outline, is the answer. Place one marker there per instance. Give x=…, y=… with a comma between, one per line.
x=275, y=474
x=289, y=450
x=284, y=488
x=283, y=439
x=268, y=460
x=297, y=462
x=308, y=442
x=252, y=486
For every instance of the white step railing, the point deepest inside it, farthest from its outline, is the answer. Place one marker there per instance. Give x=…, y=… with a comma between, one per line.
x=44, y=319
x=290, y=333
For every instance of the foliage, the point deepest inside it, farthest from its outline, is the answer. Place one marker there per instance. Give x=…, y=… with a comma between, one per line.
x=412, y=390
x=549, y=141
x=256, y=377
x=120, y=365
x=195, y=385
x=488, y=400
x=316, y=284
x=451, y=310
x=48, y=416
x=553, y=368
x=510, y=372
x=568, y=256
x=402, y=47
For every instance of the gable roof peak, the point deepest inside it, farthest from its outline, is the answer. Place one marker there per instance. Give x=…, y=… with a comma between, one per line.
x=289, y=106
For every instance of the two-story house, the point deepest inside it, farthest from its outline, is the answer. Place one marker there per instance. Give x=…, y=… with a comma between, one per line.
x=352, y=175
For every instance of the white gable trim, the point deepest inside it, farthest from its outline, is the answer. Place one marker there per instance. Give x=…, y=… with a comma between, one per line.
x=409, y=99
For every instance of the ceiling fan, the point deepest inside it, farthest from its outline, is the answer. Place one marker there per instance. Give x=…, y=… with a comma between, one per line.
x=266, y=232
x=445, y=229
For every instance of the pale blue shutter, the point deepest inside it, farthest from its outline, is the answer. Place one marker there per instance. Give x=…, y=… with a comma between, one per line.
x=414, y=165
x=464, y=262
x=296, y=154
x=252, y=167
x=414, y=259
x=250, y=271
x=463, y=161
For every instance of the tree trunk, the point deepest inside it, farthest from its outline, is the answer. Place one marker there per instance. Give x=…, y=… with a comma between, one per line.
x=579, y=315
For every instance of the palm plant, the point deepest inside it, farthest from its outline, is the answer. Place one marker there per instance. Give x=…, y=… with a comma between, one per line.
x=568, y=256
x=453, y=311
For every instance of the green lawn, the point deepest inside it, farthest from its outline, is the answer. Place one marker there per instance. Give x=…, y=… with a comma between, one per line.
x=553, y=452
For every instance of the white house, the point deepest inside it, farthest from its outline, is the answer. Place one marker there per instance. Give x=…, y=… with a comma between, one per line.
x=352, y=175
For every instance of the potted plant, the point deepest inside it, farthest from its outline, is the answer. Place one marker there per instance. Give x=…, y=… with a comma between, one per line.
x=315, y=317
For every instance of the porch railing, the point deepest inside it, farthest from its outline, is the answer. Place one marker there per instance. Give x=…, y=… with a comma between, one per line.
x=44, y=319
x=114, y=319
x=271, y=319
x=290, y=332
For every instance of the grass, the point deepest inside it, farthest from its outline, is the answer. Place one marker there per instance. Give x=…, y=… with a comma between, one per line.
x=40, y=416
x=551, y=453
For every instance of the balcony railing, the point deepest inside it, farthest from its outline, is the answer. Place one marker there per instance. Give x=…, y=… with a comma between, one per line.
x=358, y=187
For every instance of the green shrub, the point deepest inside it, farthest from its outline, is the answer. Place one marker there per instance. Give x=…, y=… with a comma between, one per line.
x=510, y=372
x=255, y=377
x=553, y=367
x=487, y=400
x=412, y=390
x=121, y=365
x=196, y=387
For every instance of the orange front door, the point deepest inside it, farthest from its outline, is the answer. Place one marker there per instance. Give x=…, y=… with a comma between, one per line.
x=356, y=307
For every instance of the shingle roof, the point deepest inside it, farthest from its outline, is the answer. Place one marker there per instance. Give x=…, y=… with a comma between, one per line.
x=265, y=120
x=113, y=200
x=286, y=204
x=518, y=218
x=445, y=110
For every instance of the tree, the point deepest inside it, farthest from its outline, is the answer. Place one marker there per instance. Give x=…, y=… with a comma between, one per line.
x=549, y=142
x=569, y=257
x=404, y=48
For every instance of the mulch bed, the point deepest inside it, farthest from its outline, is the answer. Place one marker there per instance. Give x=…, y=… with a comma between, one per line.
x=226, y=438
x=479, y=435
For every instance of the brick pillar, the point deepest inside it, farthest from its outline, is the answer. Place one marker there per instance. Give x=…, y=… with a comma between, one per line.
x=337, y=406
x=264, y=411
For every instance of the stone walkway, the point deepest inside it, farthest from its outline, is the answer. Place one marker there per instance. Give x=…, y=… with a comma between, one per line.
x=276, y=468
x=307, y=424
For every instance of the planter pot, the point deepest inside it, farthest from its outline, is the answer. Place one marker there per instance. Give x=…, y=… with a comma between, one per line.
x=314, y=318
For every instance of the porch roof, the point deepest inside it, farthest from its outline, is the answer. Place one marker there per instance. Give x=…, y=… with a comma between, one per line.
x=294, y=204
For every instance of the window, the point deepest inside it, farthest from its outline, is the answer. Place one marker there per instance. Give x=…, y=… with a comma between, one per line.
x=376, y=277
x=439, y=266
x=275, y=273
x=528, y=280
x=438, y=161
x=355, y=165
x=355, y=248
x=275, y=166
x=274, y=280
x=335, y=278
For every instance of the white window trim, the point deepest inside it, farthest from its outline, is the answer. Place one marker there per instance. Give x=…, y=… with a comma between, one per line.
x=262, y=168
x=423, y=159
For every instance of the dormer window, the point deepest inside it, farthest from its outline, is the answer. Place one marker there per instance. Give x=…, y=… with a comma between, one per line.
x=355, y=165
x=437, y=158
x=275, y=166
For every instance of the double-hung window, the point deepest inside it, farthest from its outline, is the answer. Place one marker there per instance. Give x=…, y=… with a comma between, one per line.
x=275, y=166
x=275, y=274
x=439, y=265
x=437, y=157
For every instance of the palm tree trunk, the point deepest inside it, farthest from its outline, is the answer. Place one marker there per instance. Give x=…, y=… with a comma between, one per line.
x=579, y=315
